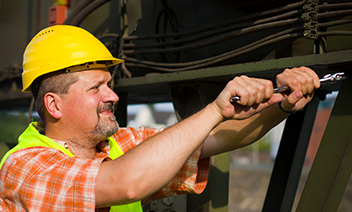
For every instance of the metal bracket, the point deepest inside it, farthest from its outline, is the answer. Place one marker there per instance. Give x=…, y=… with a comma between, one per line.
x=310, y=18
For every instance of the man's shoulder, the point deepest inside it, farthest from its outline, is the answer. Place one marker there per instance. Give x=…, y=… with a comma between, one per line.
x=45, y=161
x=35, y=151
x=33, y=155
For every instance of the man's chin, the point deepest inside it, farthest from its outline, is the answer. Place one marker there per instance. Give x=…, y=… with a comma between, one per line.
x=104, y=130
x=112, y=129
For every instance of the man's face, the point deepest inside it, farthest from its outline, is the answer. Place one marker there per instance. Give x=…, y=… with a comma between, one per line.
x=88, y=106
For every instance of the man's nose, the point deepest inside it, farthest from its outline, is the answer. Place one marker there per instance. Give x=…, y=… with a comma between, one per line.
x=111, y=96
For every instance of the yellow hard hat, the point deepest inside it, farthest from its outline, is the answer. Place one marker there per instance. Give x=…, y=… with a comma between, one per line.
x=63, y=47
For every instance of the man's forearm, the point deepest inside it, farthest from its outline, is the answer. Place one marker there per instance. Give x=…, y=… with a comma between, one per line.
x=234, y=134
x=152, y=164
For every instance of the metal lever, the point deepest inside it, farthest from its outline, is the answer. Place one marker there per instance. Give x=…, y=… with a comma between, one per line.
x=328, y=79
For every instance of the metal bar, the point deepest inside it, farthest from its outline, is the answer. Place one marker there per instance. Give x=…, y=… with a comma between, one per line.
x=219, y=184
x=332, y=168
x=331, y=58
x=220, y=164
x=188, y=99
x=290, y=158
x=121, y=109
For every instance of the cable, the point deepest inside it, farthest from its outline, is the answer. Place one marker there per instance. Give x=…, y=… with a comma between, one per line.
x=114, y=35
x=334, y=23
x=212, y=60
x=218, y=39
x=334, y=6
x=333, y=1
x=237, y=20
x=326, y=15
x=76, y=10
x=86, y=11
x=214, y=32
x=169, y=16
x=223, y=31
x=218, y=56
x=280, y=38
x=323, y=34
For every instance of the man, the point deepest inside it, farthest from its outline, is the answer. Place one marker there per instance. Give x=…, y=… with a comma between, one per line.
x=77, y=158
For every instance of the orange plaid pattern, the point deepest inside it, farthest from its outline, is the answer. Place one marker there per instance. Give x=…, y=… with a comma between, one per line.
x=193, y=176
x=45, y=179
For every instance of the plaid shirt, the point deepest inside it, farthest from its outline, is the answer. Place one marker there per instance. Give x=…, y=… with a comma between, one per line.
x=192, y=178
x=46, y=179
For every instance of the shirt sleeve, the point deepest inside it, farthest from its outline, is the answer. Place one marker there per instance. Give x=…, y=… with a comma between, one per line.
x=41, y=178
x=193, y=176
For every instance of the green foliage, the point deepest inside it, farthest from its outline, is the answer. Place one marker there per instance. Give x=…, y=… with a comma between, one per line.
x=11, y=126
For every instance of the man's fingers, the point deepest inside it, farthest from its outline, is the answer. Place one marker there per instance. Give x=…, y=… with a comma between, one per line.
x=253, y=91
x=288, y=103
x=303, y=79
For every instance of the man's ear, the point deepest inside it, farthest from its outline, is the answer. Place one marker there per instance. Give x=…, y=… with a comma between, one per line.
x=52, y=104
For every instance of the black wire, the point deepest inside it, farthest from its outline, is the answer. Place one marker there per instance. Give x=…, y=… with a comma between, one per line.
x=220, y=59
x=334, y=23
x=87, y=6
x=335, y=14
x=337, y=32
x=218, y=56
x=86, y=11
x=333, y=1
x=169, y=17
x=334, y=6
x=76, y=10
x=114, y=35
x=218, y=39
x=214, y=32
x=237, y=20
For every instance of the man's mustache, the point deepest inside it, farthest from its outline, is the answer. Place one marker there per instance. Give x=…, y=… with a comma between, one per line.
x=107, y=106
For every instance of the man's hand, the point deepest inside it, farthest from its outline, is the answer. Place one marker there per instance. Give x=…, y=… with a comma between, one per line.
x=255, y=95
x=302, y=82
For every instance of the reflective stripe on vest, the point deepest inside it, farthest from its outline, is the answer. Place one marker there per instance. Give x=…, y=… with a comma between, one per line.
x=31, y=138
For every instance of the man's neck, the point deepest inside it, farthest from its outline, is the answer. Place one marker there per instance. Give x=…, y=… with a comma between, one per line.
x=83, y=151
x=81, y=145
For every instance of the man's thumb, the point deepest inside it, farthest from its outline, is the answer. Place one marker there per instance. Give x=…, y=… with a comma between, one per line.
x=289, y=103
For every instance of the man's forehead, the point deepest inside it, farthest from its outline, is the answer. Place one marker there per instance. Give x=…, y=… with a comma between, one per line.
x=102, y=72
x=95, y=73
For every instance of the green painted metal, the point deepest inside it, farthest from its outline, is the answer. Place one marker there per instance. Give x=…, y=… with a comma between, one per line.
x=188, y=99
x=219, y=187
x=134, y=12
x=319, y=60
x=121, y=109
x=332, y=166
x=289, y=159
x=215, y=197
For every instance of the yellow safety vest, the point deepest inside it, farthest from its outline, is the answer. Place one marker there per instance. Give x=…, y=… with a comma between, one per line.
x=31, y=138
